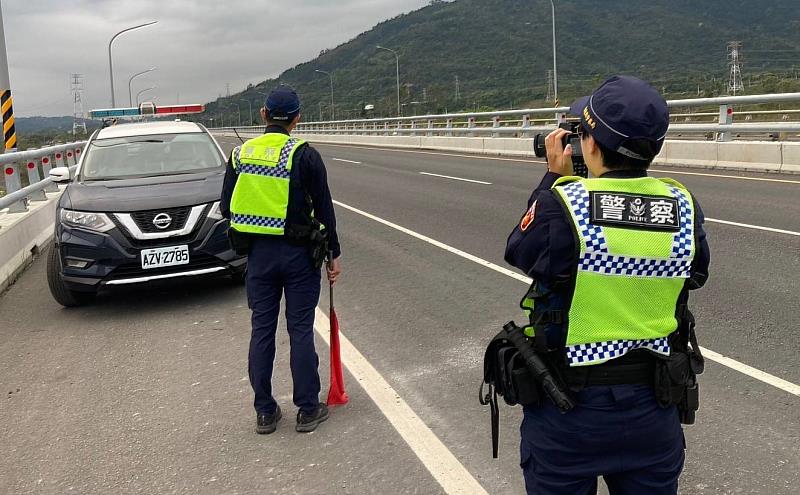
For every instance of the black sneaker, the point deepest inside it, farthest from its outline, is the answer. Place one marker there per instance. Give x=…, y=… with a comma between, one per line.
x=308, y=422
x=267, y=423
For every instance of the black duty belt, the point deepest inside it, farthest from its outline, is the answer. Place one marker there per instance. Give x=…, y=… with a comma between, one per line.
x=611, y=374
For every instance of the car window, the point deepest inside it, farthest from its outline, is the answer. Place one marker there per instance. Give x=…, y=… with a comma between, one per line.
x=150, y=156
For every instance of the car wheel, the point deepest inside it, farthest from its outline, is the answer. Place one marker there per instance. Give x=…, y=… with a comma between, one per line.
x=239, y=277
x=61, y=293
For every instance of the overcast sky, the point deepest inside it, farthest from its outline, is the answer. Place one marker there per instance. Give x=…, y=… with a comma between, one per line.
x=198, y=45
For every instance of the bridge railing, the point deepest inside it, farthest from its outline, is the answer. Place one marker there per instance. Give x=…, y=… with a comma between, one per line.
x=525, y=122
x=37, y=164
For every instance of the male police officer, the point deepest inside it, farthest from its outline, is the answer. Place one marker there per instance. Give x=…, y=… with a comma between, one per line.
x=277, y=199
x=612, y=258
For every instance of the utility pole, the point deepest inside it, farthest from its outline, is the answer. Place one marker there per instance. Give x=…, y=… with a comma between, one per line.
x=458, y=90
x=735, y=64
x=549, y=85
x=6, y=105
x=77, y=105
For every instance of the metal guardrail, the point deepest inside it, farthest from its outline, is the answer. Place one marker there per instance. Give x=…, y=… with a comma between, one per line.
x=34, y=161
x=520, y=124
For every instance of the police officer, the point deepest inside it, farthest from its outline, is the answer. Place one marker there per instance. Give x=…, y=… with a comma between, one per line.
x=277, y=198
x=612, y=258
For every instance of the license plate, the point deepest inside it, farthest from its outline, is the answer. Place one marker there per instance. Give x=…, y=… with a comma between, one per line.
x=167, y=256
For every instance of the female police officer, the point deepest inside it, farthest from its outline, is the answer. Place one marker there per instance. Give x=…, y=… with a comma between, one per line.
x=619, y=252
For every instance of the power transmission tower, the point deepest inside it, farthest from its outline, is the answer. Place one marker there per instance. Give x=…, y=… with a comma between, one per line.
x=77, y=104
x=735, y=64
x=550, y=90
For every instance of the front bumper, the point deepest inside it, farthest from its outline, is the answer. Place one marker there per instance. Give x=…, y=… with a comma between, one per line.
x=113, y=258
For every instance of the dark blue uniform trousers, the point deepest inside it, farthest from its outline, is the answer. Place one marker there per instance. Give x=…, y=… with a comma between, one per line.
x=618, y=432
x=276, y=267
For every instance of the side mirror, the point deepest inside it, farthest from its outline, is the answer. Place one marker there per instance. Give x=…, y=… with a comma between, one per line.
x=60, y=174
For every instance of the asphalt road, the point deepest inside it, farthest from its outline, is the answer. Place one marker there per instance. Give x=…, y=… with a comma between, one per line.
x=146, y=391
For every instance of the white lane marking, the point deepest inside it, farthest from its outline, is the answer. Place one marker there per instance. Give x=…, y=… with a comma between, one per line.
x=346, y=161
x=435, y=456
x=456, y=178
x=675, y=172
x=756, y=227
x=492, y=157
x=476, y=157
x=752, y=372
x=731, y=363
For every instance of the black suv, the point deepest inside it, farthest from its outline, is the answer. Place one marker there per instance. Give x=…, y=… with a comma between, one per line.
x=143, y=206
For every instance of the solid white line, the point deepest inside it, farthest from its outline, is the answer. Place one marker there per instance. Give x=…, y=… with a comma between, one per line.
x=756, y=227
x=440, y=462
x=752, y=372
x=456, y=178
x=731, y=363
x=764, y=179
x=346, y=161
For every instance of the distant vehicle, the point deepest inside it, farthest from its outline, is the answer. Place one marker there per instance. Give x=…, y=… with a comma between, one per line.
x=143, y=206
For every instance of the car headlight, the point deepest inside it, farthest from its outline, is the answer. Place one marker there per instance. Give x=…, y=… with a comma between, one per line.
x=99, y=222
x=215, y=212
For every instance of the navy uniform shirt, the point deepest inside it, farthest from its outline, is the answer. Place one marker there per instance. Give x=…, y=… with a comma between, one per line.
x=546, y=249
x=308, y=163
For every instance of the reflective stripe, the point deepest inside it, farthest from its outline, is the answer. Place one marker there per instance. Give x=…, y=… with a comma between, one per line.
x=578, y=198
x=683, y=242
x=279, y=172
x=599, y=352
x=258, y=221
x=609, y=264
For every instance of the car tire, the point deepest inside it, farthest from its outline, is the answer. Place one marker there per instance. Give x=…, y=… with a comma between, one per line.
x=63, y=295
x=239, y=277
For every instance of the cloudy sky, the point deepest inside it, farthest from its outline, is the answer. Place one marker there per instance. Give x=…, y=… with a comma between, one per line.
x=198, y=46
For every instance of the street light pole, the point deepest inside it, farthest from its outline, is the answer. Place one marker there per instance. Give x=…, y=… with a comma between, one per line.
x=142, y=91
x=397, y=57
x=555, y=66
x=130, y=95
x=250, y=111
x=110, y=64
x=333, y=114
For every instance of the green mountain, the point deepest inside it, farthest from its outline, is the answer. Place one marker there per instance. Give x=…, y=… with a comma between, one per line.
x=500, y=52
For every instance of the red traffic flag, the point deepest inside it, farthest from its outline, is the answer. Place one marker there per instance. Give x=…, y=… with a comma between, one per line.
x=336, y=393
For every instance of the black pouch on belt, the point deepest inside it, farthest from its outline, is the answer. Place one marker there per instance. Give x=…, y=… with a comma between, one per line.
x=238, y=241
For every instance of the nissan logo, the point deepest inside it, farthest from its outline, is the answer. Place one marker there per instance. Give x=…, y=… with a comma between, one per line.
x=162, y=221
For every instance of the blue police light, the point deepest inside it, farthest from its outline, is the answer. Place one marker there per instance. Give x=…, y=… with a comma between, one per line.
x=114, y=112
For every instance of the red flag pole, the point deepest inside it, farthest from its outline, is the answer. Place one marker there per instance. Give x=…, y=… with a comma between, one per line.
x=336, y=392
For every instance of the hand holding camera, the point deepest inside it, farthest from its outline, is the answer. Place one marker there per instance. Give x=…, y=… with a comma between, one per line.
x=563, y=150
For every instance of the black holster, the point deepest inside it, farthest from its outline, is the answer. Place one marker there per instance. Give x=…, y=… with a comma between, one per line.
x=239, y=242
x=676, y=377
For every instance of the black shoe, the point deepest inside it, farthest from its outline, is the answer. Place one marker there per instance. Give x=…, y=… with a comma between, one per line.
x=308, y=422
x=267, y=423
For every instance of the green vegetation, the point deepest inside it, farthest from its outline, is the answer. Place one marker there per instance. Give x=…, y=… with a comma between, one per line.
x=500, y=50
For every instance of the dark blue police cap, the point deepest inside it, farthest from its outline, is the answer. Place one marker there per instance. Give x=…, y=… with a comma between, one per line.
x=283, y=104
x=621, y=109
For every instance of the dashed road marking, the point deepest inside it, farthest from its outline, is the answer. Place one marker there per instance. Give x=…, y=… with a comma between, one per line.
x=721, y=176
x=456, y=178
x=346, y=161
x=713, y=356
x=437, y=458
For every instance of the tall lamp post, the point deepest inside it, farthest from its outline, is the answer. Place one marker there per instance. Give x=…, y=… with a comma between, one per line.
x=110, y=63
x=555, y=66
x=130, y=95
x=397, y=57
x=250, y=111
x=142, y=91
x=333, y=114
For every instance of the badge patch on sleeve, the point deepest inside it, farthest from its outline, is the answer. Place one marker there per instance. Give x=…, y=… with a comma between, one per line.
x=527, y=220
x=630, y=210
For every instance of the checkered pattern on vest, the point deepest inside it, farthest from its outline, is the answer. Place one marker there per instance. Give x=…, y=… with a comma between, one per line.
x=281, y=170
x=597, y=259
x=258, y=221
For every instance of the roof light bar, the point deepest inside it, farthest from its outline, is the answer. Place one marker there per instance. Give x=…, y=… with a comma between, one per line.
x=146, y=108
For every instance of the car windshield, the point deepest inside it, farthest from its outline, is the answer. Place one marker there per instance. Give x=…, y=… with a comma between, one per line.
x=150, y=156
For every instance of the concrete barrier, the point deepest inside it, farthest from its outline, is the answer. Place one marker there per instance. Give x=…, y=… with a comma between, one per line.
x=22, y=235
x=737, y=155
